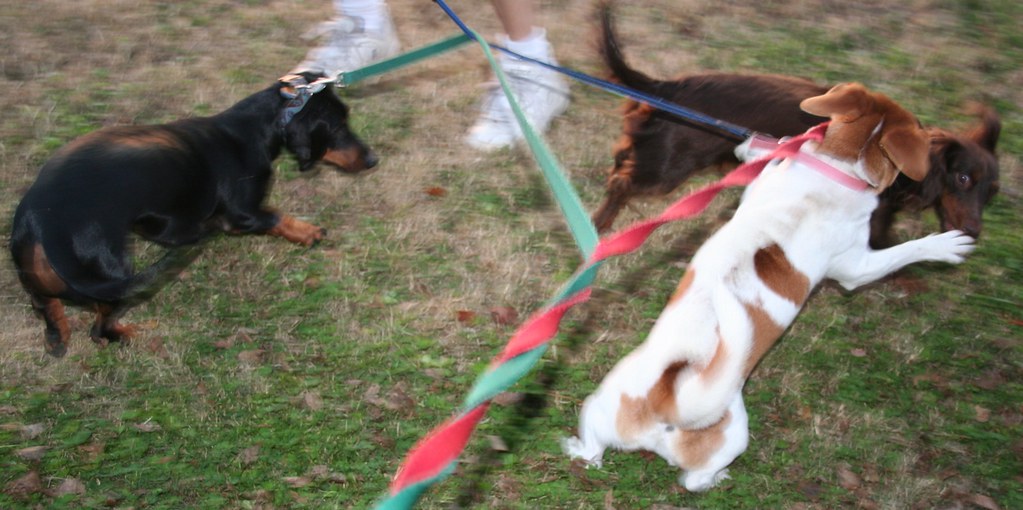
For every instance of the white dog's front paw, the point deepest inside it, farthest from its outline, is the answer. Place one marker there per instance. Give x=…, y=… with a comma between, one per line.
x=577, y=449
x=952, y=246
x=699, y=481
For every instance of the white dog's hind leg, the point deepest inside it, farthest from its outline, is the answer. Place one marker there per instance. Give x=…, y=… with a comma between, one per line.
x=735, y=441
x=589, y=445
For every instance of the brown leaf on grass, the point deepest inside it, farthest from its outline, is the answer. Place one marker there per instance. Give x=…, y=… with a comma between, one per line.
x=251, y=357
x=32, y=431
x=935, y=379
x=435, y=191
x=858, y=352
x=465, y=315
x=155, y=346
x=811, y=489
x=507, y=398
x=398, y=398
x=32, y=453
x=25, y=486
x=68, y=486
x=983, y=501
x=990, y=380
x=296, y=482
x=870, y=474
x=504, y=315
x=312, y=400
x=497, y=444
x=322, y=472
x=147, y=426
x=91, y=452
x=847, y=479
x=911, y=286
x=866, y=503
x=226, y=343
x=981, y=414
x=249, y=455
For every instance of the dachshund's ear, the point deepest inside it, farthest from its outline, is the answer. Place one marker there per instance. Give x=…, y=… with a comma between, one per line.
x=300, y=144
x=988, y=127
x=908, y=148
x=845, y=102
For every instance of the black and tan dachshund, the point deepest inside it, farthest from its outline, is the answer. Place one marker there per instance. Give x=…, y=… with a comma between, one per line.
x=174, y=185
x=657, y=151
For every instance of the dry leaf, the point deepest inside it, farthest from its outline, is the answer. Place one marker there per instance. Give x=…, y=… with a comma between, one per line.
x=847, y=479
x=91, y=452
x=249, y=455
x=147, y=426
x=981, y=414
x=497, y=444
x=68, y=486
x=32, y=453
x=507, y=398
x=858, y=352
x=465, y=315
x=504, y=315
x=32, y=431
x=435, y=191
x=251, y=357
x=24, y=486
x=983, y=501
x=297, y=481
x=155, y=346
x=312, y=400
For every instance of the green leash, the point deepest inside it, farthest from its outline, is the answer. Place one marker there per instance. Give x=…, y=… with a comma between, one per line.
x=348, y=78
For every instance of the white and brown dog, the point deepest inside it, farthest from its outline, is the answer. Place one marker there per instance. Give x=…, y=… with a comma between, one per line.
x=805, y=218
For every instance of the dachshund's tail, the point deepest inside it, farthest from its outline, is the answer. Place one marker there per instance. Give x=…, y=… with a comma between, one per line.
x=147, y=282
x=611, y=52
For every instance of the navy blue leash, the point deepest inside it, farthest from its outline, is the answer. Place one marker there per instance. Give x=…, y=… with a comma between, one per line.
x=672, y=108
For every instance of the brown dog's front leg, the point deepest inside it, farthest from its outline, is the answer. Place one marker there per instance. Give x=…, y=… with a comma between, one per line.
x=297, y=231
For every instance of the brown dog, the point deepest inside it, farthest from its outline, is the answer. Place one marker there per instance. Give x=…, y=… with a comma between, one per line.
x=658, y=151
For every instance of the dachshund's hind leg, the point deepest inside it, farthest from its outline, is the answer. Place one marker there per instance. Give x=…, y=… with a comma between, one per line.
x=58, y=332
x=107, y=327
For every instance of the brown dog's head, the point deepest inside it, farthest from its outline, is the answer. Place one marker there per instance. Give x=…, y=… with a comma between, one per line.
x=869, y=126
x=964, y=172
x=319, y=131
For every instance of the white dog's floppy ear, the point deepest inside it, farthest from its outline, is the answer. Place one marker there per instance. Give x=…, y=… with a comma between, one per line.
x=845, y=102
x=908, y=147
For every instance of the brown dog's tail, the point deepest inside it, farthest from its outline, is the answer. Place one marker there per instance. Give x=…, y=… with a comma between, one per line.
x=613, y=57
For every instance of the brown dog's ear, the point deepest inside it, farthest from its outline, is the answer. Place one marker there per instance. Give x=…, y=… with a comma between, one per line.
x=988, y=127
x=845, y=102
x=908, y=148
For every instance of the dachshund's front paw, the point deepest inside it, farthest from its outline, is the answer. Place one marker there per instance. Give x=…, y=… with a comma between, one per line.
x=298, y=231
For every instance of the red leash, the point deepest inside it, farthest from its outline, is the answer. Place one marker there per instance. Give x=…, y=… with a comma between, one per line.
x=434, y=456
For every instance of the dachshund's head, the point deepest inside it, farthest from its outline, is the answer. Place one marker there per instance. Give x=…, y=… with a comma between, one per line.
x=316, y=128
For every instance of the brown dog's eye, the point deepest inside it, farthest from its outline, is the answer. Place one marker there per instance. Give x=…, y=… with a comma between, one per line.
x=963, y=180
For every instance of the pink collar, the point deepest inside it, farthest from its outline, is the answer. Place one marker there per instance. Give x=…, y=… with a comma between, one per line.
x=762, y=142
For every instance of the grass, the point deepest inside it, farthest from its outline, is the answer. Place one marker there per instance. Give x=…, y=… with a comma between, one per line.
x=272, y=376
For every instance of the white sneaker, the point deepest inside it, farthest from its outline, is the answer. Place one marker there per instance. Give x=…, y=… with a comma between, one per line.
x=350, y=46
x=541, y=93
